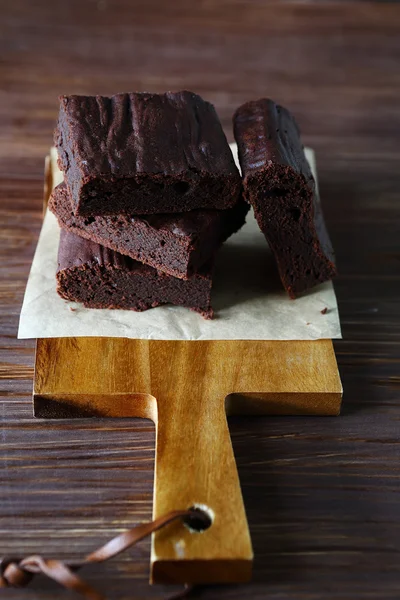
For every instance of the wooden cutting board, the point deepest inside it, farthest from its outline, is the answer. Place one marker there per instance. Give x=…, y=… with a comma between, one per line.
x=187, y=388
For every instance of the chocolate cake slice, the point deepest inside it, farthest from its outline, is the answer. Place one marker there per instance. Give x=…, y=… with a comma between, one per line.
x=175, y=244
x=143, y=153
x=279, y=184
x=101, y=278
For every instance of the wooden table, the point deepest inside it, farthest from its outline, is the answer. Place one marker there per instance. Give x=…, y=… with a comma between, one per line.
x=322, y=495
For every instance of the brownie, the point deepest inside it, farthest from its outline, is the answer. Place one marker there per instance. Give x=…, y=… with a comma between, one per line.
x=101, y=278
x=278, y=182
x=144, y=153
x=175, y=244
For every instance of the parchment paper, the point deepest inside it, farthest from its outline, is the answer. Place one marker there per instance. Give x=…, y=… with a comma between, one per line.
x=248, y=300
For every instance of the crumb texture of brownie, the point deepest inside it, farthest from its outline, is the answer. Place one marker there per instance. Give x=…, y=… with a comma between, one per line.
x=144, y=153
x=101, y=278
x=177, y=244
x=278, y=182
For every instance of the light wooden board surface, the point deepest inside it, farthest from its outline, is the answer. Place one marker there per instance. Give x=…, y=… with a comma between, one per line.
x=187, y=388
x=183, y=387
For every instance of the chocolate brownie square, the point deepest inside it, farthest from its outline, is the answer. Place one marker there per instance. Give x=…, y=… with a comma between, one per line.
x=143, y=153
x=176, y=244
x=101, y=278
x=278, y=182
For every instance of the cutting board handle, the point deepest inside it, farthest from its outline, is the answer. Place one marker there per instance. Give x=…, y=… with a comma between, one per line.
x=195, y=467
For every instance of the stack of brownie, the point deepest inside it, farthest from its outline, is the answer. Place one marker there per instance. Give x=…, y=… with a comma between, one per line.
x=150, y=193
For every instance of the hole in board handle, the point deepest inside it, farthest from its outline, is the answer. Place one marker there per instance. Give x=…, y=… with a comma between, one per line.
x=201, y=519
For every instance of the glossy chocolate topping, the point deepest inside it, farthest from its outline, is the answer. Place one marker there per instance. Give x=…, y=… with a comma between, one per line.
x=267, y=133
x=129, y=134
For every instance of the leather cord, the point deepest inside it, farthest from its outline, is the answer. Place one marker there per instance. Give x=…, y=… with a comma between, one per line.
x=16, y=572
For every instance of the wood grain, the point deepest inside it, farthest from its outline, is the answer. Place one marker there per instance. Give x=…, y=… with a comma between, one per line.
x=182, y=386
x=322, y=495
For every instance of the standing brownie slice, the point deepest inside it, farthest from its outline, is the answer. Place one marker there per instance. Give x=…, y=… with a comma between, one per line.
x=279, y=184
x=101, y=278
x=177, y=244
x=144, y=153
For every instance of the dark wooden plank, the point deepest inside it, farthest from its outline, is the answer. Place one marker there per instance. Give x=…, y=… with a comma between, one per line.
x=322, y=494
